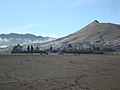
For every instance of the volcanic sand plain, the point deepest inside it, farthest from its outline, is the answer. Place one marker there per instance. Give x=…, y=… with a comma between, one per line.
x=59, y=72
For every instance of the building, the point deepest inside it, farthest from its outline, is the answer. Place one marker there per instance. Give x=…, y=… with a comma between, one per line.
x=37, y=49
x=17, y=49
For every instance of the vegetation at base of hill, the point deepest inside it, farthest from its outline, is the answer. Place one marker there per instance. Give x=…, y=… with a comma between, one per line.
x=93, y=49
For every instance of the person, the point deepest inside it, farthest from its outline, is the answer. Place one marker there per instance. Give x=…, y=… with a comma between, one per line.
x=32, y=49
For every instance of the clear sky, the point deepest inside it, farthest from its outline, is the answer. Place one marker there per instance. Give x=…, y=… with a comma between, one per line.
x=55, y=18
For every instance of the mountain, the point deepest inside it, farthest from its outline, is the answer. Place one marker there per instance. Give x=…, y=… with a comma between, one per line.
x=105, y=35
x=14, y=38
x=102, y=34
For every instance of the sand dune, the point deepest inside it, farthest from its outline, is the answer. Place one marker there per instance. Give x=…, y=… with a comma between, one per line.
x=59, y=72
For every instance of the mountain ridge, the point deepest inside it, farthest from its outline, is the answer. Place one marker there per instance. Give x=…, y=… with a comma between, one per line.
x=15, y=38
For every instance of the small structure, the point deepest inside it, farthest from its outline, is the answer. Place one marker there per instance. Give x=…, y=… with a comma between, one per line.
x=17, y=49
x=37, y=49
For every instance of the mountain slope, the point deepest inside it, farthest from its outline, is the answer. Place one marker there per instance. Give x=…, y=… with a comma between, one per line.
x=96, y=30
x=105, y=34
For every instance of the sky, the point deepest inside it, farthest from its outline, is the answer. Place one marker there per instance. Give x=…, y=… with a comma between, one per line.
x=55, y=18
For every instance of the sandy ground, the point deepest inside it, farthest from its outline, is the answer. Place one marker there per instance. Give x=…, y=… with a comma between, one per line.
x=59, y=72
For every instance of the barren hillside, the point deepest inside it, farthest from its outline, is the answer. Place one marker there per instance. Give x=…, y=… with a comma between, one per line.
x=106, y=34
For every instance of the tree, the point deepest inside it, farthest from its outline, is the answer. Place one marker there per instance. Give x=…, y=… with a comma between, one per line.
x=96, y=49
x=28, y=48
x=93, y=48
x=70, y=45
x=51, y=48
x=32, y=49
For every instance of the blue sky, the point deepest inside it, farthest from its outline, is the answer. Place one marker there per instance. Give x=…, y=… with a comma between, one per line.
x=55, y=18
